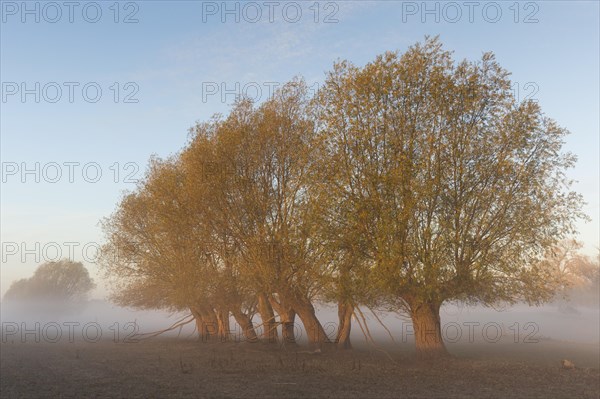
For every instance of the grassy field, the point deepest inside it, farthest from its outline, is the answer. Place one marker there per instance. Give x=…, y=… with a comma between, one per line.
x=187, y=368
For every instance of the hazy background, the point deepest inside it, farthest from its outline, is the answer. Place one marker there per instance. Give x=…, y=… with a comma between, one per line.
x=460, y=324
x=176, y=53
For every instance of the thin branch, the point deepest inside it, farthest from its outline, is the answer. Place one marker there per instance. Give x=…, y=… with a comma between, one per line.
x=383, y=325
x=178, y=324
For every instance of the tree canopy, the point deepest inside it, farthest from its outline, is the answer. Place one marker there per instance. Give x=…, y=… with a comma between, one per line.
x=408, y=182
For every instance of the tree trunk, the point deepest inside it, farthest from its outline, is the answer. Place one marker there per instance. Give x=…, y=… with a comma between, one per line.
x=224, y=328
x=246, y=325
x=210, y=323
x=427, y=328
x=206, y=323
x=200, y=325
x=345, y=312
x=287, y=318
x=267, y=316
x=312, y=325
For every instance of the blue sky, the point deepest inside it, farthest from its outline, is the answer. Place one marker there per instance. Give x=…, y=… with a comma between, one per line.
x=178, y=51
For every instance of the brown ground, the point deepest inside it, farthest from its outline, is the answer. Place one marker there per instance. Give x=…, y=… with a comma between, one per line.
x=183, y=368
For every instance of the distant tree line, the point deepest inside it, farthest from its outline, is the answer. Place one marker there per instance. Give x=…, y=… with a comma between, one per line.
x=412, y=181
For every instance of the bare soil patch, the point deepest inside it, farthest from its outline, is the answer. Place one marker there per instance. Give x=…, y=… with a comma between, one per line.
x=185, y=368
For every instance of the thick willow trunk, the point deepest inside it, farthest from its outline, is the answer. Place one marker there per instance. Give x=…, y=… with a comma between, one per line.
x=206, y=323
x=287, y=318
x=267, y=316
x=224, y=328
x=427, y=327
x=211, y=324
x=314, y=330
x=345, y=312
x=246, y=325
x=200, y=326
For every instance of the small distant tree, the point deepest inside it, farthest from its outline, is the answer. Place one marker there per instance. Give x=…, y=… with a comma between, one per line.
x=577, y=275
x=62, y=281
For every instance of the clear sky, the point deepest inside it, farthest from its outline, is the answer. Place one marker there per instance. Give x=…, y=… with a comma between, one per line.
x=91, y=89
